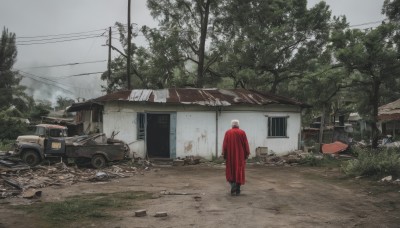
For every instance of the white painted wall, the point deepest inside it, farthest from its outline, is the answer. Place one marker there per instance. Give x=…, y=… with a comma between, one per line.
x=195, y=134
x=255, y=124
x=122, y=119
x=196, y=127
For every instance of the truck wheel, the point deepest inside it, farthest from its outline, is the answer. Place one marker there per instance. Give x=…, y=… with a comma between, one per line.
x=31, y=158
x=98, y=161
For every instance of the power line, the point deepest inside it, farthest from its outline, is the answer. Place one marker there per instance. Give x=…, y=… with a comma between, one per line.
x=367, y=23
x=61, y=41
x=66, y=64
x=44, y=82
x=57, y=38
x=76, y=75
x=66, y=34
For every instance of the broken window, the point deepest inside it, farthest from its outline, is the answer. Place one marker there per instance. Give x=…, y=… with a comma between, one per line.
x=277, y=126
x=140, y=123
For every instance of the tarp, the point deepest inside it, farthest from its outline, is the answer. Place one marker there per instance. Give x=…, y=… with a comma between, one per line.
x=334, y=148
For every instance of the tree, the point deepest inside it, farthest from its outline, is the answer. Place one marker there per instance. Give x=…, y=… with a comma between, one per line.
x=272, y=42
x=8, y=78
x=372, y=58
x=63, y=102
x=392, y=9
x=195, y=22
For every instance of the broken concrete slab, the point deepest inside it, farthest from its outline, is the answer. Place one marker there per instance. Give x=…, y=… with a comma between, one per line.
x=140, y=213
x=161, y=214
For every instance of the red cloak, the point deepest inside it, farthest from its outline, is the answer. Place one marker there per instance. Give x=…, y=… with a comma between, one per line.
x=235, y=151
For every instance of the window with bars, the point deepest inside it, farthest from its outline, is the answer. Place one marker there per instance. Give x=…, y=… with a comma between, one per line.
x=277, y=126
x=140, y=125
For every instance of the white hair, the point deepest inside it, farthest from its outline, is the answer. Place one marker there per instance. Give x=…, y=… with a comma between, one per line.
x=235, y=123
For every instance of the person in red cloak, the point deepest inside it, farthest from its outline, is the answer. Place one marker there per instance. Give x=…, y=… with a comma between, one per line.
x=235, y=150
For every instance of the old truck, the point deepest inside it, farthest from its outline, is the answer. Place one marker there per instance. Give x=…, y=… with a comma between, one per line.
x=51, y=141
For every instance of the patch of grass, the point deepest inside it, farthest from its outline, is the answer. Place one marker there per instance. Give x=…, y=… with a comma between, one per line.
x=6, y=145
x=374, y=163
x=84, y=207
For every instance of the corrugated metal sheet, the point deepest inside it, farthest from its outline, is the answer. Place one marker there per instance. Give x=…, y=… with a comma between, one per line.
x=206, y=97
x=390, y=111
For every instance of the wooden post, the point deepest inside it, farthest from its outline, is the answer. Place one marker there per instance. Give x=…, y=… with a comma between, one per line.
x=128, y=62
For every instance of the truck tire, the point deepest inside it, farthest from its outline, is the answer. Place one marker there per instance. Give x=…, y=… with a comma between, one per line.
x=98, y=161
x=31, y=157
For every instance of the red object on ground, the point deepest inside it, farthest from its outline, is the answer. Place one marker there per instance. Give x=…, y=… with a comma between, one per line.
x=334, y=148
x=235, y=150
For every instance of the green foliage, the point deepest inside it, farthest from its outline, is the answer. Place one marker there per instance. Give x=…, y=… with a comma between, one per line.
x=374, y=163
x=11, y=127
x=392, y=9
x=39, y=110
x=371, y=58
x=6, y=145
x=64, y=102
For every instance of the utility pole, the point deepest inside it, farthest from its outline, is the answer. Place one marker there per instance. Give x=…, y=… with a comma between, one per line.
x=109, y=58
x=128, y=63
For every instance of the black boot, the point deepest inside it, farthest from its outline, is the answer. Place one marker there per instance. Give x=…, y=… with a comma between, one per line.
x=233, y=188
x=237, y=189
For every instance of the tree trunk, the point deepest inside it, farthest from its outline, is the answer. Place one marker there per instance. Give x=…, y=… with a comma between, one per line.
x=321, y=128
x=203, y=36
x=375, y=104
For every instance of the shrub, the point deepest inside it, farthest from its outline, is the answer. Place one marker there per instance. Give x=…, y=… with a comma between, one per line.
x=374, y=163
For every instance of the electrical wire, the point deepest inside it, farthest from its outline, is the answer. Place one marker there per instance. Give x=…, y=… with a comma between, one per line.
x=57, y=38
x=44, y=82
x=66, y=64
x=76, y=75
x=61, y=41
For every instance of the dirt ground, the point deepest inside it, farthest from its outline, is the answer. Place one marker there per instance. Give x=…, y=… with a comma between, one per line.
x=271, y=197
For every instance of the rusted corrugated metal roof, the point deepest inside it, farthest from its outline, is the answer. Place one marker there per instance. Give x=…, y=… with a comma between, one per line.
x=390, y=111
x=206, y=97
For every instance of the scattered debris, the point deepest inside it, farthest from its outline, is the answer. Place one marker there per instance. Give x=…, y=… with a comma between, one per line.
x=191, y=160
x=271, y=159
x=334, y=148
x=140, y=213
x=387, y=179
x=32, y=194
x=164, y=192
x=178, y=162
x=161, y=214
x=19, y=182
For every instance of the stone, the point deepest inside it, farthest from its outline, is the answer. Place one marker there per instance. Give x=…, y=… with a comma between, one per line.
x=161, y=214
x=178, y=162
x=140, y=213
x=388, y=178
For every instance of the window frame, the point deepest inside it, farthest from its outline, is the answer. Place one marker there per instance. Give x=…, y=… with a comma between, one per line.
x=269, y=127
x=140, y=126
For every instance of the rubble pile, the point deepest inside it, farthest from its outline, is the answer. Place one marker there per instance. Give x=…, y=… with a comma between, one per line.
x=291, y=159
x=14, y=182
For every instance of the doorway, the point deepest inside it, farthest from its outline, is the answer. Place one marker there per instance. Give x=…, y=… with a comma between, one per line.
x=158, y=135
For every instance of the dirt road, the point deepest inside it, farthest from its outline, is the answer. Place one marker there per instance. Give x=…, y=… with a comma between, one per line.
x=272, y=197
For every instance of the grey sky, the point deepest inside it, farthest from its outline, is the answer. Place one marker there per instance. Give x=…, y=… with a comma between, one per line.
x=48, y=17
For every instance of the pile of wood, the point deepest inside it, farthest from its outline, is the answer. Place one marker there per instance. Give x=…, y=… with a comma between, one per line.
x=14, y=182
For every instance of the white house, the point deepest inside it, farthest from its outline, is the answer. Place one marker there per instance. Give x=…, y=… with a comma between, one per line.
x=174, y=122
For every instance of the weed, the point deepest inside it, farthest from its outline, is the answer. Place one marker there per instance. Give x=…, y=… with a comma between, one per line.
x=6, y=145
x=374, y=163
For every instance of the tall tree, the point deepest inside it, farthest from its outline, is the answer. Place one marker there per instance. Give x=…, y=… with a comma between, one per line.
x=372, y=58
x=272, y=42
x=194, y=19
x=8, y=78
